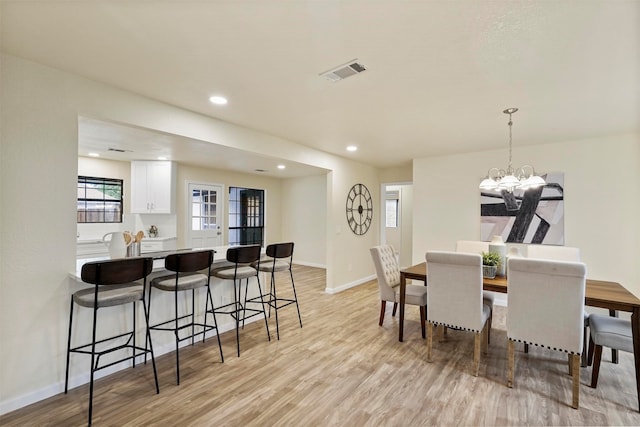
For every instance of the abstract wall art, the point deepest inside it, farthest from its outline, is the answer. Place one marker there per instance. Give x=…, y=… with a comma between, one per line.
x=532, y=216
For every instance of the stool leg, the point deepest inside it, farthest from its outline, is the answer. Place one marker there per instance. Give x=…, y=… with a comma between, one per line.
x=275, y=302
x=66, y=375
x=93, y=356
x=236, y=291
x=215, y=322
x=175, y=332
x=193, y=316
x=133, y=306
x=264, y=312
x=148, y=338
x=244, y=307
x=295, y=296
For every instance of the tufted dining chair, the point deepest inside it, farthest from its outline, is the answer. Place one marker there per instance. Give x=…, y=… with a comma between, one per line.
x=546, y=306
x=455, y=298
x=388, y=273
x=560, y=253
x=477, y=247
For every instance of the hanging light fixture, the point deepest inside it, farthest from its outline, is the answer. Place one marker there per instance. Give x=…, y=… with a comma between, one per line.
x=524, y=177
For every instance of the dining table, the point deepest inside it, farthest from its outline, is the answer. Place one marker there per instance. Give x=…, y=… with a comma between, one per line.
x=598, y=293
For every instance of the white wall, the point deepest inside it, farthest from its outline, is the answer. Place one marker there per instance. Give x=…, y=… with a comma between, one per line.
x=304, y=218
x=39, y=163
x=601, y=199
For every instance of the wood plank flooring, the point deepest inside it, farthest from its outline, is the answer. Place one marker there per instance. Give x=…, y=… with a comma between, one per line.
x=342, y=369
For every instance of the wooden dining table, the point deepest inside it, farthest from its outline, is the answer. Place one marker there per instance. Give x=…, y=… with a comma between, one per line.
x=598, y=293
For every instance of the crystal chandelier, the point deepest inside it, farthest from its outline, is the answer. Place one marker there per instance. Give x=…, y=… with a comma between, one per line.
x=524, y=177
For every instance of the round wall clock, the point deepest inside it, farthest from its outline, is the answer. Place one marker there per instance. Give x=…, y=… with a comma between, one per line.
x=359, y=209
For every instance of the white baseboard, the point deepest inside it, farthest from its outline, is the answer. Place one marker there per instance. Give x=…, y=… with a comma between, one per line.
x=350, y=285
x=83, y=378
x=310, y=264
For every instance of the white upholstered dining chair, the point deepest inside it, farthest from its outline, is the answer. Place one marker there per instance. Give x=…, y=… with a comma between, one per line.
x=455, y=297
x=546, y=306
x=560, y=253
x=388, y=273
x=477, y=247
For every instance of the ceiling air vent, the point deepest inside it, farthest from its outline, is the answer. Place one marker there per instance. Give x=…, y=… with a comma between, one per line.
x=343, y=71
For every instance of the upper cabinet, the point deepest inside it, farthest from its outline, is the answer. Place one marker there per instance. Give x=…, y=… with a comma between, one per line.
x=153, y=187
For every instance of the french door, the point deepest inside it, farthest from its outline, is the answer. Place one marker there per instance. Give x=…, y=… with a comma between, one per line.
x=206, y=215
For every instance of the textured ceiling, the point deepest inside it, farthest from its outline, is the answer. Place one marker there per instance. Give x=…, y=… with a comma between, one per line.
x=439, y=73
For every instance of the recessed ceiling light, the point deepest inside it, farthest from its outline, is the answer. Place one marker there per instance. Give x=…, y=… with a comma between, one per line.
x=162, y=158
x=281, y=166
x=218, y=100
x=94, y=155
x=352, y=148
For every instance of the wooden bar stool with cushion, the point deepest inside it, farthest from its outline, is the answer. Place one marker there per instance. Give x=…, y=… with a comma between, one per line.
x=114, y=284
x=242, y=258
x=609, y=332
x=280, y=259
x=187, y=275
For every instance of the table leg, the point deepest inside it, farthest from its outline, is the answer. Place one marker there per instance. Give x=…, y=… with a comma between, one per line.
x=635, y=331
x=403, y=291
x=614, y=352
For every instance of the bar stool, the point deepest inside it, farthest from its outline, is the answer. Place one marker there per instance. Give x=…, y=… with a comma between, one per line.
x=114, y=285
x=278, y=253
x=241, y=258
x=187, y=276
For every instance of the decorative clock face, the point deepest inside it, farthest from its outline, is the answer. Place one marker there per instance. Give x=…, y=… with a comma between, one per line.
x=359, y=209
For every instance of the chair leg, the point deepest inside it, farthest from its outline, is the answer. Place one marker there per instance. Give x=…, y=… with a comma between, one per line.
x=382, y=308
x=476, y=353
x=485, y=338
x=575, y=368
x=614, y=352
x=395, y=307
x=511, y=360
x=66, y=375
x=595, y=370
x=429, y=341
x=584, y=358
x=490, y=325
x=237, y=296
x=423, y=318
x=591, y=348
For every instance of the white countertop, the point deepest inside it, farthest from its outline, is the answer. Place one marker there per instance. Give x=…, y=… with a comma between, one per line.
x=158, y=264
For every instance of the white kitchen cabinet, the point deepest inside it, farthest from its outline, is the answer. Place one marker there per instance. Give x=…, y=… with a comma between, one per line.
x=153, y=187
x=152, y=244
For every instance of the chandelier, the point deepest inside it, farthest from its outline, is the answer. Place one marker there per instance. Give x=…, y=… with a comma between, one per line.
x=523, y=177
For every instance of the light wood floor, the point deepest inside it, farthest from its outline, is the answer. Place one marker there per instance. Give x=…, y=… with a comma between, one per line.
x=342, y=369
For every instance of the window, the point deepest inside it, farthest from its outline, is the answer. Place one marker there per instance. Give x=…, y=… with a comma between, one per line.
x=392, y=213
x=246, y=216
x=99, y=200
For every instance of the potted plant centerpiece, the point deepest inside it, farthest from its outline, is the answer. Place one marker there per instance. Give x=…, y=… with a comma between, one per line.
x=490, y=263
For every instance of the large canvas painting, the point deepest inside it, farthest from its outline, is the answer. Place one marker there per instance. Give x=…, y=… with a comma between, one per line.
x=532, y=216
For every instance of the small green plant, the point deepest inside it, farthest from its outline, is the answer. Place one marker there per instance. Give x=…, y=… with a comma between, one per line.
x=490, y=258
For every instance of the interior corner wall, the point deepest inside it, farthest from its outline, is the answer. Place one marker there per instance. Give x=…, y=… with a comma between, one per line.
x=39, y=152
x=601, y=200
x=304, y=212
